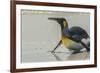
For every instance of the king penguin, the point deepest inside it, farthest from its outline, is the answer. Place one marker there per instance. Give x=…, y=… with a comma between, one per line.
x=72, y=38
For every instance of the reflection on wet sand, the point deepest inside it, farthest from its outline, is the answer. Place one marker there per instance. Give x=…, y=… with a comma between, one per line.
x=78, y=56
x=52, y=57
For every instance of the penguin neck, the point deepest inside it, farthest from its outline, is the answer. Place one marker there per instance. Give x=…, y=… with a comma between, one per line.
x=65, y=24
x=62, y=28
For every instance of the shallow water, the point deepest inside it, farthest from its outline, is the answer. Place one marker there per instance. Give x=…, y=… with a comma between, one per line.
x=33, y=56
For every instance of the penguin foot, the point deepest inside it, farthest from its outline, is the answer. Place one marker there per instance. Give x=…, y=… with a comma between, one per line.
x=52, y=52
x=75, y=52
x=88, y=51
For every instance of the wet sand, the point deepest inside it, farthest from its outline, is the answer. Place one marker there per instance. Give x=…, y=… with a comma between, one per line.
x=52, y=57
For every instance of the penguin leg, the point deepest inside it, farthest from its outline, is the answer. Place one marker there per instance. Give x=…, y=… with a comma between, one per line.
x=56, y=46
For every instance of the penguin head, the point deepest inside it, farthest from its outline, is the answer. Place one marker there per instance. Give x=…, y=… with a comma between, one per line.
x=62, y=21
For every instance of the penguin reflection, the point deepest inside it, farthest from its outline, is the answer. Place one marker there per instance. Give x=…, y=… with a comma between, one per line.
x=69, y=57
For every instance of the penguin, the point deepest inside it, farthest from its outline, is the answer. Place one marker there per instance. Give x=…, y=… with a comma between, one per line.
x=72, y=38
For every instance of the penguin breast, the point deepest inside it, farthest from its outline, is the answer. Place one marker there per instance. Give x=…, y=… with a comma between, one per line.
x=70, y=44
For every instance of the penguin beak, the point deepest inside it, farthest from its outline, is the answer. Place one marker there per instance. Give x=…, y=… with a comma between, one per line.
x=54, y=19
x=58, y=20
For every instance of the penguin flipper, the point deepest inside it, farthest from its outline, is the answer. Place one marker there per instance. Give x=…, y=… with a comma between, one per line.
x=76, y=38
x=87, y=48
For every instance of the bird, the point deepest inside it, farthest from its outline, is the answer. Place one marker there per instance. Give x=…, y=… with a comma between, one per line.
x=72, y=38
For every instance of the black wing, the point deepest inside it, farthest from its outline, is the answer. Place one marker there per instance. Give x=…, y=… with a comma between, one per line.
x=78, y=31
